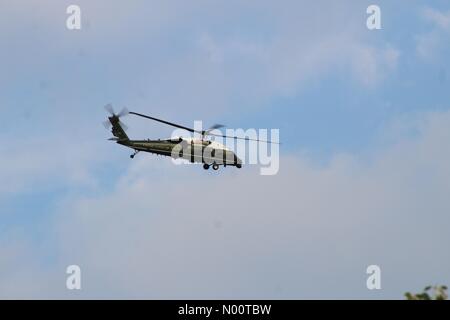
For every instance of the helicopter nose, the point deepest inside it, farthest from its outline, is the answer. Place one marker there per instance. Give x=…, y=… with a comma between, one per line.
x=237, y=162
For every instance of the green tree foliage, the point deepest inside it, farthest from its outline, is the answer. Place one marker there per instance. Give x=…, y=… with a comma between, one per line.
x=429, y=293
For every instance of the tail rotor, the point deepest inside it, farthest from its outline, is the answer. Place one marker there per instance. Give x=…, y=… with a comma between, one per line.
x=115, y=117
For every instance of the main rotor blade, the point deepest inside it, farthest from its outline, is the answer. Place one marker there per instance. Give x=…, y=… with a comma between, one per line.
x=165, y=122
x=205, y=132
x=109, y=108
x=216, y=126
x=241, y=138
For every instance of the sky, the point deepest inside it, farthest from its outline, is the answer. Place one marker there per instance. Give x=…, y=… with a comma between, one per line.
x=364, y=175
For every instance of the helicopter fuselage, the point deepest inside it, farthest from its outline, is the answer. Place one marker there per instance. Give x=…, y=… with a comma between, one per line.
x=192, y=150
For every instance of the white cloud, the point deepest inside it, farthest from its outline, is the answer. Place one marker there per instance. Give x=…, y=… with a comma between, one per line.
x=430, y=44
x=296, y=47
x=307, y=232
x=440, y=19
x=225, y=62
x=31, y=164
x=201, y=56
x=372, y=65
x=427, y=45
x=172, y=231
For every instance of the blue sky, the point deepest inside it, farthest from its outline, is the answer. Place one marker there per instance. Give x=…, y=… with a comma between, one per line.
x=363, y=118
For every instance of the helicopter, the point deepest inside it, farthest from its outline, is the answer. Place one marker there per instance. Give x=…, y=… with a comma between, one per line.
x=209, y=153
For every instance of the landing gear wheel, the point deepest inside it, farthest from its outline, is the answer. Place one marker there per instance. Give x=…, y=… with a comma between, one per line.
x=135, y=153
x=206, y=166
x=215, y=166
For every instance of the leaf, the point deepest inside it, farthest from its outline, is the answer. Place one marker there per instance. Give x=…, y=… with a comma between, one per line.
x=409, y=296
